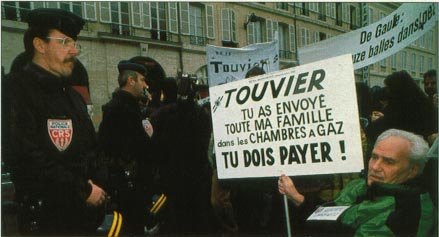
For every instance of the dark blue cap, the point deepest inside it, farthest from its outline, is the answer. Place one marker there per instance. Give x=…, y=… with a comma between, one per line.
x=128, y=65
x=67, y=22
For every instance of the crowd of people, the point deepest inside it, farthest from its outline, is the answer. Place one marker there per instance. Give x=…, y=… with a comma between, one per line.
x=150, y=168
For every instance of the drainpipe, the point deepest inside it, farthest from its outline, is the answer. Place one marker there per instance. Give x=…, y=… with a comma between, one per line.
x=180, y=51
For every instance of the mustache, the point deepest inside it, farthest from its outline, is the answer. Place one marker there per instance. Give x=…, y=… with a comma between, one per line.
x=70, y=60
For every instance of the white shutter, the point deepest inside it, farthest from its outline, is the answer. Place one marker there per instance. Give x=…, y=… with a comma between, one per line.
x=275, y=29
x=136, y=14
x=292, y=38
x=345, y=12
x=250, y=33
x=316, y=37
x=105, y=11
x=184, y=17
x=232, y=25
x=146, y=15
x=225, y=24
x=173, y=17
x=269, y=29
x=90, y=10
x=210, y=22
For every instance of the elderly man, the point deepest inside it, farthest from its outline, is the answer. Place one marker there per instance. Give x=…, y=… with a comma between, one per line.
x=124, y=140
x=48, y=139
x=389, y=202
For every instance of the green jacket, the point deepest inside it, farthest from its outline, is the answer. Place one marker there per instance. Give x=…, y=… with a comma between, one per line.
x=387, y=209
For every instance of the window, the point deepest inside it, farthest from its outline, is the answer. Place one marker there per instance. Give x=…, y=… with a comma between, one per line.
x=403, y=60
x=304, y=36
x=314, y=7
x=158, y=21
x=196, y=25
x=322, y=11
x=421, y=41
x=430, y=37
x=330, y=9
x=345, y=11
x=430, y=63
x=370, y=16
x=117, y=14
x=421, y=64
x=319, y=36
x=271, y=29
x=228, y=25
x=305, y=9
x=74, y=7
x=173, y=17
x=210, y=22
x=338, y=14
x=287, y=43
x=292, y=31
x=282, y=5
x=90, y=11
x=354, y=18
x=16, y=11
x=254, y=32
x=383, y=62
x=413, y=62
x=195, y=20
x=393, y=61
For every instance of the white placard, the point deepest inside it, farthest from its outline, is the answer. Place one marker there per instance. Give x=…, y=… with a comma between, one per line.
x=298, y=121
x=327, y=213
x=377, y=41
x=231, y=64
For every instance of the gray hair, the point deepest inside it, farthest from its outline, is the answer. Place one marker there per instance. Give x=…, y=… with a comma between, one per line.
x=418, y=148
x=124, y=75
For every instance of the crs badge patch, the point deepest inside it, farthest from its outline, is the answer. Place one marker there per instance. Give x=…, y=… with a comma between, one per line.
x=60, y=132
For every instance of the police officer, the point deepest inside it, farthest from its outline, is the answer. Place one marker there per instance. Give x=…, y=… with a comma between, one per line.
x=49, y=141
x=124, y=144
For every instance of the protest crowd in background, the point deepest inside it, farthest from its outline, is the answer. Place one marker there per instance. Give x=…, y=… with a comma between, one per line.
x=151, y=169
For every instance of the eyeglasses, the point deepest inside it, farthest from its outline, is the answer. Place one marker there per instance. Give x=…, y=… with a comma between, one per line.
x=67, y=42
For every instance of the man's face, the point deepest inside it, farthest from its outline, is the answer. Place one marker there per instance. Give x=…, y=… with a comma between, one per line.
x=390, y=162
x=430, y=85
x=139, y=86
x=59, y=59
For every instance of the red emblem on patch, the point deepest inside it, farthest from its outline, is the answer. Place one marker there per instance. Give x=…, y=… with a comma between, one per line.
x=60, y=132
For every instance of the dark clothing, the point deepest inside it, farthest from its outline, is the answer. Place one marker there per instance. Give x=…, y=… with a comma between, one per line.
x=124, y=147
x=181, y=139
x=49, y=142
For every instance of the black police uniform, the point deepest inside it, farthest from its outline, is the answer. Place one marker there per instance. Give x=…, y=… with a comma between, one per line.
x=124, y=146
x=49, y=142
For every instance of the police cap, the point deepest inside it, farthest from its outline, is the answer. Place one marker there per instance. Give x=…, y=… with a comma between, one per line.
x=67, y=22
x=129, y=65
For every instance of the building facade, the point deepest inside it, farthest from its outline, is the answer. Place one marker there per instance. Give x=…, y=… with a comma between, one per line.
x=176, y=33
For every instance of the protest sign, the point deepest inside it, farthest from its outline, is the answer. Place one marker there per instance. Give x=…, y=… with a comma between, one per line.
x=377, y=41
x=231, y=64
x=298, y=121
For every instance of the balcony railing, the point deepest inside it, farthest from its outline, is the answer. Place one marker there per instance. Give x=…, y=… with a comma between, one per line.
x=198, y=40
x=122, y=29
x=127, y=30
x=283, y=54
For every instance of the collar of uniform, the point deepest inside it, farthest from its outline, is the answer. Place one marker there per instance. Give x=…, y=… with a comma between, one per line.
x=45, y=78
x=125, y=96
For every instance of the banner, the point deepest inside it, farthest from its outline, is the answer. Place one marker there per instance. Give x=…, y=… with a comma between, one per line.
x=298, y=121
x=231, y=64
x=379, y=40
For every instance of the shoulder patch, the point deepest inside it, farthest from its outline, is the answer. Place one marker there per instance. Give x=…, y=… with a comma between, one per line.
x=60, y=132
